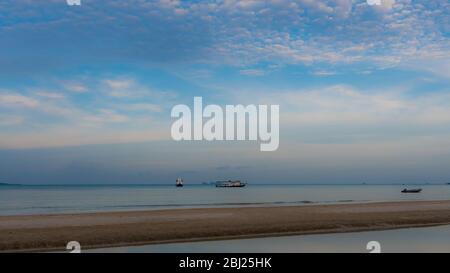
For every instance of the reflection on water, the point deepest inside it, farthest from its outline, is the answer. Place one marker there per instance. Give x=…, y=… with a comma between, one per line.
x=430, y=239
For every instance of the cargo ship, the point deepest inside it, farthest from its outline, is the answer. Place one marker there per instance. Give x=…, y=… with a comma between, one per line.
x=179, y=182
x=230, y=184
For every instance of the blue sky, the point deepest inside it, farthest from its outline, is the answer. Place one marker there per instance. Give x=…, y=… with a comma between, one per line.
x=86, y=91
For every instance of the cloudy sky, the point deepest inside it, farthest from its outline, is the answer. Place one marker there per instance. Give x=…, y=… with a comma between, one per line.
x=86, y=91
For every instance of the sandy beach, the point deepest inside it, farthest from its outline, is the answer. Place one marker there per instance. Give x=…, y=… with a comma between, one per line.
x=92, y=230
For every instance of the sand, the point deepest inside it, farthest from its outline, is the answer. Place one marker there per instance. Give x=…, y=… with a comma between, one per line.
x=104, y=229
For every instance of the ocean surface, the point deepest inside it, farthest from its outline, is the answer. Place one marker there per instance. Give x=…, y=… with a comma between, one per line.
x=411, y=240
x=50, y=199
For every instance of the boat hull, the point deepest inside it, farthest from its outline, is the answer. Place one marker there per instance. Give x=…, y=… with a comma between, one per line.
x=240, y=186
x=230, y=184
x=412, y=191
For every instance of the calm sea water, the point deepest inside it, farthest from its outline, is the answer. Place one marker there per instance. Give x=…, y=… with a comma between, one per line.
x=23, y=200
x=413, y=240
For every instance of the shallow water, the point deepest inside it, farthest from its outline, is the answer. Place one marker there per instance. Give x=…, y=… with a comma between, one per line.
x=20, y=200
x=430, y=239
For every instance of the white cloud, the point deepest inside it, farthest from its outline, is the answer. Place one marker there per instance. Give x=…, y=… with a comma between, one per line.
x=10, y=120
x=387, y=4
x=347, y=114
x=324, y=73
x=122, y=88
x=317, y=4
x=247, y=32
x=109, y=115
x=76, y=136
x=17, y=100
x=40, y=112
x=119, y=84
x=129, y=88
x=353, y=108
x=75, y=87
x=402, y=31
x=181, y=11
x=149, y=107
x=252, y=72
x=343, y=7
x=50, y=95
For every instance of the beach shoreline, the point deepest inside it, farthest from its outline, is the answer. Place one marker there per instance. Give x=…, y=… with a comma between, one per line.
x=115, y=229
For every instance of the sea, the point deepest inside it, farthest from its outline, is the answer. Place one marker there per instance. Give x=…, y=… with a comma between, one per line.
x=56, y=199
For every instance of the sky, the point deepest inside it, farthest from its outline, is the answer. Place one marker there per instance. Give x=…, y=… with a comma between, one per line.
x=86, y=91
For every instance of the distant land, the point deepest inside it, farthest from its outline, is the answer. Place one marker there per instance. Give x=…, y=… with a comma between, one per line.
x=7, y=184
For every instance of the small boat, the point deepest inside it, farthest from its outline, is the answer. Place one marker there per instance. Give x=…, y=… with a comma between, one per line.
x=411, y=190
x=179, y=182
x=230, y=184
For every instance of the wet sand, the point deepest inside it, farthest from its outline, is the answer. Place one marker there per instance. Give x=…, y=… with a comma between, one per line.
x=108, y=229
